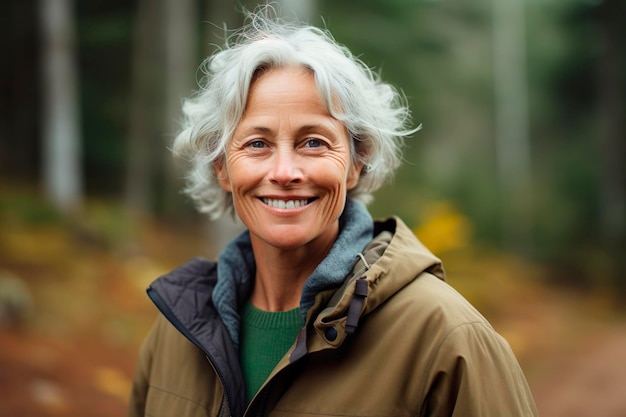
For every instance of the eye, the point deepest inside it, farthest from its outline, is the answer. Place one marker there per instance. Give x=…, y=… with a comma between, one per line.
x=256, y=147
x=257, y=144
x=313, y=143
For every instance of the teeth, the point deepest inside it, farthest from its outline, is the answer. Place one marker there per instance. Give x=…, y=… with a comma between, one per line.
x=282, y=204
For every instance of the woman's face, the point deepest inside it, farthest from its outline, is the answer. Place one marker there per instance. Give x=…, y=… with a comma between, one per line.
x=288, y=164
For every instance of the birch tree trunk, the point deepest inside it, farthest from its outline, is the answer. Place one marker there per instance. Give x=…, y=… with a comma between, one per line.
x=62, y=174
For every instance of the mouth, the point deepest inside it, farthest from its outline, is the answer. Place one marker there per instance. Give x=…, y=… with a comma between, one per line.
x=287, y=204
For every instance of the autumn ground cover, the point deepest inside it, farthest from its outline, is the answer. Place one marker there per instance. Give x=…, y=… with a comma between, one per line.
x=70, y=349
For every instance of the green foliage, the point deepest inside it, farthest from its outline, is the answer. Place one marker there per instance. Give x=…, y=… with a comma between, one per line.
x=26, y=206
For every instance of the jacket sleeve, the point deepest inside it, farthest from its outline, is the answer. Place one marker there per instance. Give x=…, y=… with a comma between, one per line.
x=141, y=380
x=475, y=373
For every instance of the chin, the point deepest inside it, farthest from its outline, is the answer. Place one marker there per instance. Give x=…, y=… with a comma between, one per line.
x=290, y=242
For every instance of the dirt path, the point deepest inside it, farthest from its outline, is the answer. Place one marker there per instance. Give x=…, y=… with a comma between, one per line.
x=588, y=383
x=42, y=377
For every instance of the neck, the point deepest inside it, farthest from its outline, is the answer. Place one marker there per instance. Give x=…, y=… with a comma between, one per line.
x=281, y=274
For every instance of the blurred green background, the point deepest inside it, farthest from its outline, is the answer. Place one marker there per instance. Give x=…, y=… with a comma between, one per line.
x=517, y=178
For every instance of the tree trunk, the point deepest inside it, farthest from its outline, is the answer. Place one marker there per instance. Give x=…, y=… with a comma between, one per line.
x=511, y=122
x=180, y=64
x=612, y=111
x=62, y=174
x=611, y=90
x=144, y=109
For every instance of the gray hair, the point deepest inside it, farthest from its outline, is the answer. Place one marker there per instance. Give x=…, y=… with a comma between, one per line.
x=374, y=113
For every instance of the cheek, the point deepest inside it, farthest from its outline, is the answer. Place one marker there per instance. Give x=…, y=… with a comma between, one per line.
x=335, y=180
x=243, y=173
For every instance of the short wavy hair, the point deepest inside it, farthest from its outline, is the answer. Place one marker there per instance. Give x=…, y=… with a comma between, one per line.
x=375, y=114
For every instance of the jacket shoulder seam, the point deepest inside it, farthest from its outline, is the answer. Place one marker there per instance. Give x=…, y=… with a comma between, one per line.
x=437, y=350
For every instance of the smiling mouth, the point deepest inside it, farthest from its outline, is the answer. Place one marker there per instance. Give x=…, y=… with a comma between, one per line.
x=286, y=204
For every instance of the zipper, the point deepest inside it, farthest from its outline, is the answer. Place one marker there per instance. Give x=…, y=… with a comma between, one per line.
x=167, y=312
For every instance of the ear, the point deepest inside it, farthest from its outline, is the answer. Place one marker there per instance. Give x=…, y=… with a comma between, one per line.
x=354, y=174
x=221, y=172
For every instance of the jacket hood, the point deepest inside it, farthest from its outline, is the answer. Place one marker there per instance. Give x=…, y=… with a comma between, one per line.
x=393, y=259
x=401, y=260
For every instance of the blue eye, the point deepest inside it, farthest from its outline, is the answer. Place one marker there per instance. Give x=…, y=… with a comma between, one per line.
x=257, y=144
x=313, y=143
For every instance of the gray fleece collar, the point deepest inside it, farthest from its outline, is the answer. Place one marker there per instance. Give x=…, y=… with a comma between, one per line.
x=236, y=267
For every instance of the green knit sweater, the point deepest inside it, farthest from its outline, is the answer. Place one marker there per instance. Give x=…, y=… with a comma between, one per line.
x=265, y=338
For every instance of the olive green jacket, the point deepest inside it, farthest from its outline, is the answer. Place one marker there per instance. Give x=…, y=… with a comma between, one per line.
x=394, y=340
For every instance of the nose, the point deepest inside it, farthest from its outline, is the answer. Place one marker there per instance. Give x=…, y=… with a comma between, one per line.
x=286, y=168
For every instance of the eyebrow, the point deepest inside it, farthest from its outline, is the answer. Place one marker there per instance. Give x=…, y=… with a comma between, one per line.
x=258, y=129
x=309, y=128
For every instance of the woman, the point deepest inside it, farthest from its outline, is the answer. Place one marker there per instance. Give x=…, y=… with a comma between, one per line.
x=315, y=309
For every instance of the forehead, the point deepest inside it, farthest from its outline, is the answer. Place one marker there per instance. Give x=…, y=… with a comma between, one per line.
x=276, y=83
x=284, y=91
x=286, y=97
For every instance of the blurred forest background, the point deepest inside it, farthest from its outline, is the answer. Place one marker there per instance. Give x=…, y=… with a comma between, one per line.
x=517, y=178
